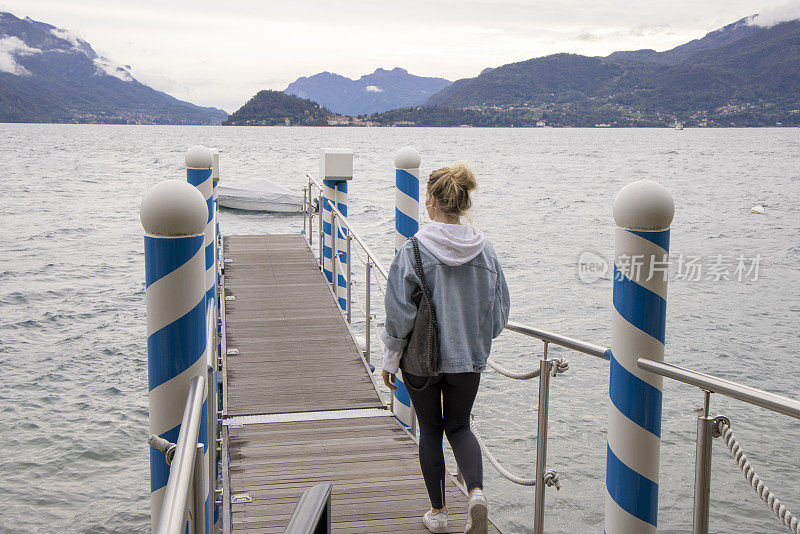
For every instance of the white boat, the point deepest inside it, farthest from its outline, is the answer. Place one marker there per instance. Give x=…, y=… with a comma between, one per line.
x=260, y=195
x=678, y=126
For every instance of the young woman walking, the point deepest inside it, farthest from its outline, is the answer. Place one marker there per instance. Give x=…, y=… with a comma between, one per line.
x=471, y=303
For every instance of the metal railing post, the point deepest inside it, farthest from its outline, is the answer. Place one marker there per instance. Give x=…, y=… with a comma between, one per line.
x=541, y=442
x=211, y=385
x=320, y=234
x=306, y=210
x=310, y=217
x=702, y=467
x=197, y=492
x=190, y=513
x=185, y=462
x=367, y=309
x=334, y=256
x=349, y=272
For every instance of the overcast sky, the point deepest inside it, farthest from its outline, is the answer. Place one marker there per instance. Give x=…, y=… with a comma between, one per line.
x=221, y=53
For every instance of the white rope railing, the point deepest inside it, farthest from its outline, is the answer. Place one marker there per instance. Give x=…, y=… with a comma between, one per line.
x=560, y=365
x=773, y=503
x=550, y=476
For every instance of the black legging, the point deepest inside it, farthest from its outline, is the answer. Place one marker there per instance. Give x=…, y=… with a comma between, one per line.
x=458, y=391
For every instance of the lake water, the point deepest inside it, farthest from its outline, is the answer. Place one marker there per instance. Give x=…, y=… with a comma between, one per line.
x=73, y=456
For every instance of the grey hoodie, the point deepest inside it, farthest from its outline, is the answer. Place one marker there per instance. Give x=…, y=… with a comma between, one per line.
x=469, y=291
x=452, y=244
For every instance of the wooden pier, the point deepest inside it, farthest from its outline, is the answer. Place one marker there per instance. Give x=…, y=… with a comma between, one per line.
x=300, y=407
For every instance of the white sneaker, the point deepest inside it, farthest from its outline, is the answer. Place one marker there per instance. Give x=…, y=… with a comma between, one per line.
x=477, y=522
x=436, y=522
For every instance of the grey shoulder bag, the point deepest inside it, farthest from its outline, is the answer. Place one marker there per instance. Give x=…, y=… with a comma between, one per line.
x=421, y=357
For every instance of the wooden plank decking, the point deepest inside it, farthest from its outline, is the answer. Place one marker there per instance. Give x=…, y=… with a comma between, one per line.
x=297, y=360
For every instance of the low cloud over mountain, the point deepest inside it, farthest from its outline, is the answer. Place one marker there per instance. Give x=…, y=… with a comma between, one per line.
x=49, y=74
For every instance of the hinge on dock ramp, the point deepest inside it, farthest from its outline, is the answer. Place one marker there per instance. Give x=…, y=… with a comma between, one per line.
x=232, y=352
x=241, y=498
x=230, y=297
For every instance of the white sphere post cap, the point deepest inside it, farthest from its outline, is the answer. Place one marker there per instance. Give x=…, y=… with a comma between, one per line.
x=644, y=205
x=173, y=208
x=199, y=157
x=407, y=158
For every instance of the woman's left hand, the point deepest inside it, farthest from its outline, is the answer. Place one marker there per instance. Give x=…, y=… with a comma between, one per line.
x=388, y=379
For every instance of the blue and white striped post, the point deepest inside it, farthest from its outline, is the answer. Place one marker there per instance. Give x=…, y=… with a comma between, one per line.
x=218, y=335
x=215, y=241
x=215, y=197
x=217, y=277
x=406, y=224
x=335, y=170
x=199, y=164
x=173, y=216
x=199, y=168
x=406, y=196
x=643, y=213
x=215, y=194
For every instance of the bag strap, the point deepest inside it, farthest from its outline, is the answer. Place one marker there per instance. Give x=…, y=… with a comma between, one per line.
x=421, y=275
x=418, y=266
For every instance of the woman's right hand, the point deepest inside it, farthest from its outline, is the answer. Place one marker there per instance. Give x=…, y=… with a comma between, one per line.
x=388, y=379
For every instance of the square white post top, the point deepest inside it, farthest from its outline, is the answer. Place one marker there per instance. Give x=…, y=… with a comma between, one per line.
x=336, y=164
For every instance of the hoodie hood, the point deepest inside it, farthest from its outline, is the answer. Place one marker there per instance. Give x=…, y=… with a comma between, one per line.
x=452, y=244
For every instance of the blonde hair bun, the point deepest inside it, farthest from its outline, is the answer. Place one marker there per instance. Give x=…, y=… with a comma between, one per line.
x=451, y=186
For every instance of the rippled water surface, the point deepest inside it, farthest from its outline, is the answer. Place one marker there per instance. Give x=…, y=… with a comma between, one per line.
x=73, y=456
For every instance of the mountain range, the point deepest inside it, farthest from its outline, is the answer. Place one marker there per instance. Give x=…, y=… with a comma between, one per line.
x=741, y=75
x=372, y=93
x=48, y=74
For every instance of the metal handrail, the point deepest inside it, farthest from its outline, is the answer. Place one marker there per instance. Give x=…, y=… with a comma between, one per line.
x=346, y=223
x=182, y=468
x=707, y=424
x=313, y=181
x=212, y=415
x=713, y=384
x=557, y=339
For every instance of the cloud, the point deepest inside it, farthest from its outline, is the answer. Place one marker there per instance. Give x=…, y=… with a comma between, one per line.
x=587, y=37
x=68, y=36
x=776, y=15
x=102, y=64
x=373, y=89
x=105, y=66
x=646, y=30
x=10, y=47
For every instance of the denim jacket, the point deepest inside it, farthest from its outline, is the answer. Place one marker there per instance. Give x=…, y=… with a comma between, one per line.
x=471, y=303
